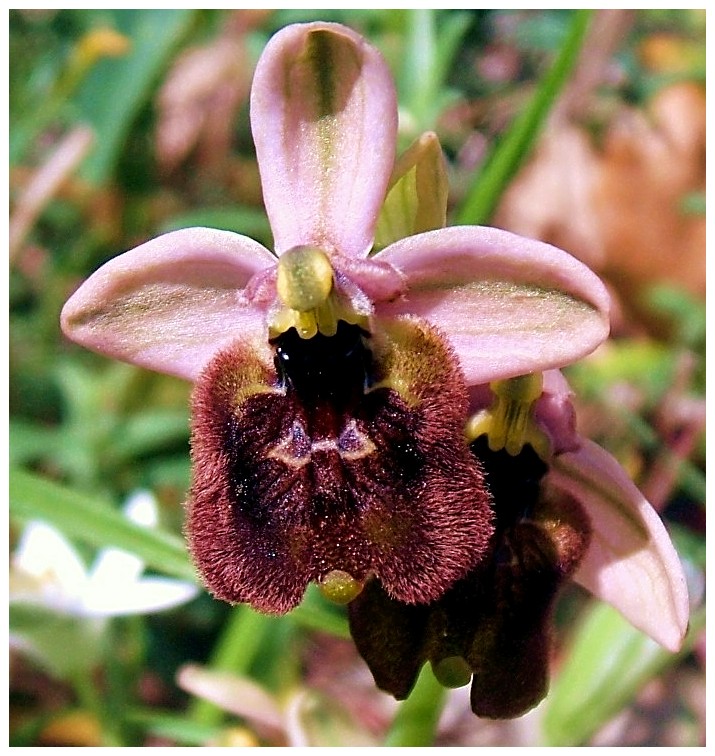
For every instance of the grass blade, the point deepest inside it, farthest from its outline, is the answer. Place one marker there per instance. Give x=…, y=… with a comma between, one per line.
x=84, y=518
x=515, y=145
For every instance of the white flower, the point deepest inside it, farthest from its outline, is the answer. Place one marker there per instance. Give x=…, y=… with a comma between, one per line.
x=48, y=572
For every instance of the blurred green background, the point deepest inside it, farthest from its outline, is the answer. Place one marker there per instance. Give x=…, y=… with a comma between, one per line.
x=585, y=129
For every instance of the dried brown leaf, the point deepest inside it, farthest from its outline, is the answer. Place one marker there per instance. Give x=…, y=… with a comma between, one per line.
x=618, y=206
x=198, y=102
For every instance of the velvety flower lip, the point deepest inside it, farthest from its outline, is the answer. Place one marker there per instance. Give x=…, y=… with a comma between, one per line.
x=324, y=119
x=492, y=627
x=300, y=473
x=564, y=510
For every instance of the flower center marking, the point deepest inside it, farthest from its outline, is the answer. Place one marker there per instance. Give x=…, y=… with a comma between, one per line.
x=296, y=449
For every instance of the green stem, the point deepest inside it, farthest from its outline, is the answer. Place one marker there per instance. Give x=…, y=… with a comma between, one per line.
x=515, y=145
x=416, y=721
x=419, y=69
x=234, y=652
x=90, y=701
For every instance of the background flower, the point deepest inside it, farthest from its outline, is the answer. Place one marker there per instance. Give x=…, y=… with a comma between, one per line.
x=51, y=591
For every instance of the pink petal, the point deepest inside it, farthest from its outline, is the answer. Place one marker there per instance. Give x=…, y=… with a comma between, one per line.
x=509, y=305
x=171, y=303
x=631, y=562
x=324, y=120
x=232, y=693
x=377, y=279
x=555, y=414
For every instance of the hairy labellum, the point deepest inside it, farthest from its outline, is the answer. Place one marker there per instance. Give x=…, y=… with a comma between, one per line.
x=492, y=625
x=344, y=453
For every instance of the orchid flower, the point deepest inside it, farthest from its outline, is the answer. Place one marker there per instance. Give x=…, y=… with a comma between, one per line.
x=565, y=509
x=47, y=572
x=331, y=384
x=334, y=378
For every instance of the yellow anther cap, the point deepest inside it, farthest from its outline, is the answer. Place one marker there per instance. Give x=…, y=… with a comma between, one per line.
x=509, y=423
x=305, y=278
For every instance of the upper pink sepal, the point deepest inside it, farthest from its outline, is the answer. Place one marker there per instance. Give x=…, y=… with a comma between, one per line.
x=631, y=562
x=324, y=122
x=171, y=303
x=509, y=305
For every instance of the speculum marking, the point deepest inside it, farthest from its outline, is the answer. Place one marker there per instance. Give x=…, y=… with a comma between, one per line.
x=296, y=449
x=353, y=443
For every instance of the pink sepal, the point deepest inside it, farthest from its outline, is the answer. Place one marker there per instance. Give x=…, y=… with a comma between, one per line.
x=171, y=303
x=324, y=122
x=631, y=562
x=509, y=305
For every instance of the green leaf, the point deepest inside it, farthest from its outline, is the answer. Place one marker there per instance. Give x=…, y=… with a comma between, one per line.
x=95, y=522
x=693, y=203
x=235, y=651
x=451, y=29
x=30, y=441
x=149, y=431
x=317, y=613
x=180, y=729
x=515, y=145
x=649, y=365
x=431, y=45
x=608, y=663
x=113, y=93
x=242, y=220
x=689, y=544
x=63, y=646
x=686, y=312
